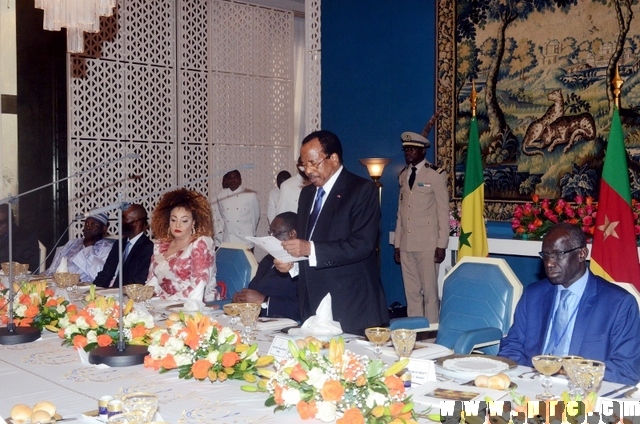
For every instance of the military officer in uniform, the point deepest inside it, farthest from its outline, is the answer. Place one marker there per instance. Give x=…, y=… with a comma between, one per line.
x=422, y=227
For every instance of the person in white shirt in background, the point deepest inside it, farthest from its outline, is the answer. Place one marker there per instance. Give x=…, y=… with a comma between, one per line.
x=239, y=210
x=290, y=191
x=85, y=256
x=274, y=195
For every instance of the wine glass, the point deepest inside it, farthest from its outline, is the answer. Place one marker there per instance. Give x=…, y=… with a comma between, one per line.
x=378, y=336
x=570, y=384
x=233, y=311
x=249, y=313
x=403, y=341
x=547, y=365
x=146, y=403
x=587, y=374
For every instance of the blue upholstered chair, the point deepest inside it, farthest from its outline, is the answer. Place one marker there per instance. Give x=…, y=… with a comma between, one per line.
x=235, y=267
x=478, y=302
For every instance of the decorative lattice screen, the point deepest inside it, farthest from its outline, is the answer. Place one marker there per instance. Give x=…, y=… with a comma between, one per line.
x=195, y=88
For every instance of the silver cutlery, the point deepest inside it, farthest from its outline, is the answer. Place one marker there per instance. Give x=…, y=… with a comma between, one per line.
x=619, y=389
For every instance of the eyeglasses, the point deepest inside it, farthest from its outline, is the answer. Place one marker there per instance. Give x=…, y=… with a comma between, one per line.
x=557, y=256
x=276, y=233
x=303, y=167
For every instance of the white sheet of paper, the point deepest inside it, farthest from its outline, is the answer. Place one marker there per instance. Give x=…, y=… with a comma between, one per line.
x=274, y=247
x=422, y=370
x=279, y=348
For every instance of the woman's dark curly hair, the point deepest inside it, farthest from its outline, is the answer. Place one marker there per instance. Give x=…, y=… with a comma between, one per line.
x=192, y=201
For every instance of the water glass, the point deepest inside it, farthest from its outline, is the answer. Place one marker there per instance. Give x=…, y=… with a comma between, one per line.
x=403, y=341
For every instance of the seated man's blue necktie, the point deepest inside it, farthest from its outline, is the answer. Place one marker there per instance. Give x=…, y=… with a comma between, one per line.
x=559, y=339
x=126, y=251
x=315, y=212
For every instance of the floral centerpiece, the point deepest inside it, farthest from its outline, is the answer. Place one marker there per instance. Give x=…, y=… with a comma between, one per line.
x=532, y=220
x=97, y=324
x=199, y=347
x=454, y=218
x=343, y=386
x=34, y=305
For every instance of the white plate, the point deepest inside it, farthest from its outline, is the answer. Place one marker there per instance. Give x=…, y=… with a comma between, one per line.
x=468, y=367
x=108, y=292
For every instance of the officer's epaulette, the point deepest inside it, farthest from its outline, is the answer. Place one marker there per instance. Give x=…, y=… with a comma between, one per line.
x=434, y=167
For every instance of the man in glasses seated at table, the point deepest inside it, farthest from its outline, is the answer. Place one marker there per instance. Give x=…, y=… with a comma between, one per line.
x=136, y=253
x=573, y=312
x=275, y=291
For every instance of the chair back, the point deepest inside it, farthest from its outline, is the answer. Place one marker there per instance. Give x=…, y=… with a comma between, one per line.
x=235, y=266
x=631, y=289
x=478, y=293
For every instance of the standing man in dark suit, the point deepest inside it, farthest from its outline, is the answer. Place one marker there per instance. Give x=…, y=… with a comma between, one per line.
x=276, y=292
x=136, y=254
x=338, y=224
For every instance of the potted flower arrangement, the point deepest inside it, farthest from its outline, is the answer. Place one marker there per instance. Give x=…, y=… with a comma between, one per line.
x=97, y=324
x=342, y=386
x=199, y=347
x=34, y=305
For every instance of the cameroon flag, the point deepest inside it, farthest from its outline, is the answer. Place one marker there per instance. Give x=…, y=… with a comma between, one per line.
x=473, y=234
x=614, y=254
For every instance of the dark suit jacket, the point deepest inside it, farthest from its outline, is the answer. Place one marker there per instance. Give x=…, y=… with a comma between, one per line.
x=25, y=249
x=345, y=239
x=281, y=289
x=136, y=266
x=607, y=328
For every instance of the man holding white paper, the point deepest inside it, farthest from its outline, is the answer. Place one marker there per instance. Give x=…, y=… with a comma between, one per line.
x=338, y=223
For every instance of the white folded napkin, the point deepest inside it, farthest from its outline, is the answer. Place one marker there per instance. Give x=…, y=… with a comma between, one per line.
x=62, y=267
x=320, y=324
x=193, y=305
x=84, y=359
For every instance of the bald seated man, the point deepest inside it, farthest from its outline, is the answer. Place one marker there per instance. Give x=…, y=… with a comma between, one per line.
x=136, y=254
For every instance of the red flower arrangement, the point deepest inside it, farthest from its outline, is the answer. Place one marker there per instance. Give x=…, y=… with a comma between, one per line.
x=532, y=220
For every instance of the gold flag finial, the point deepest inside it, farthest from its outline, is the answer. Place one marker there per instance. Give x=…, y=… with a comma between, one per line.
x=617, y=83
x=473, y=98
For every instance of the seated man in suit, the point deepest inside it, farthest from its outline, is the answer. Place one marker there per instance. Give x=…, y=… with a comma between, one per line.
x=137, y=251
x=573, y=312
x=274, y=290
x=24, y=244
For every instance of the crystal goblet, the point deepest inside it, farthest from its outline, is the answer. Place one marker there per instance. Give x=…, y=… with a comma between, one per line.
x=233, y=310
x=146, y=403
x=403, y=341
x=547, y=365
x=378, y=336
x=570, y=384
x=249, y=313
x=587, y=374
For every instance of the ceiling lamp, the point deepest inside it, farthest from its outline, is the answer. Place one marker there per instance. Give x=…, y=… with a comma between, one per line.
x=78, y=16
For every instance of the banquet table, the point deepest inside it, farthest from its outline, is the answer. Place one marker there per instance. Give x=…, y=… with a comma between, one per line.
x=46, y=370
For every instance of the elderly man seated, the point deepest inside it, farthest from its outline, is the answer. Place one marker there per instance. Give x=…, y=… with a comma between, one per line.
x=275, y=291
x=85, y=256
x=573, y=312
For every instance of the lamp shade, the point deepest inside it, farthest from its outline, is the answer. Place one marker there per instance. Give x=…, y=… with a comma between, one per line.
x=375, y=166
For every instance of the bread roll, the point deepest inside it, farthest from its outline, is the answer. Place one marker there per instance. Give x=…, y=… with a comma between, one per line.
x=174, y=316
x=499, y=382
x=481, y=380
x=40, y=417
x=45, y=405
x=20, y=412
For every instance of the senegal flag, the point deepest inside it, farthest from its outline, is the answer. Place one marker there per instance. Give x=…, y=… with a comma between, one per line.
x=473, y=234
x=614, y=255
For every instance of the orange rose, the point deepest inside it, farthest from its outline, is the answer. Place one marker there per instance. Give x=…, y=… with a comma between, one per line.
x=72, y=309
x=229, y=359
x=277, y=395
x=200, y=369
x=351, y=416
x=164, y=338
x=395, y=409
x=104, y=340
x=138, y=331
x=32, y=311
x=307, y=410
x=332, y=390
x=395, y=385
x=169, y=362
x=51, y=302
x=60, y=333
x=298, y=373
x=152, y=363
x=79, y=341
x=111, y=323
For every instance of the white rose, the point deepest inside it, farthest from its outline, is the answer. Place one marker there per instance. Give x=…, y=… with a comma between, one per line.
x=63, y=322
x=326, y=411
x=175, y=343
x=225, y=333
x=19, y=309
x=317, y=378
x=213, y=357
x=71, y=329
x=375, y=399
x=99, y=316
x=81, y=323
x=92, y=337
x=183, y=359
x=290, y=396
x=61, y=309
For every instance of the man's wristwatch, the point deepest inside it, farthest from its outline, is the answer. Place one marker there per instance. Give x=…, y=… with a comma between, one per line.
x=265, y=303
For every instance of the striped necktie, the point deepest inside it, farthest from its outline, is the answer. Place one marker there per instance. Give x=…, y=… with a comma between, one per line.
x=317, y=205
